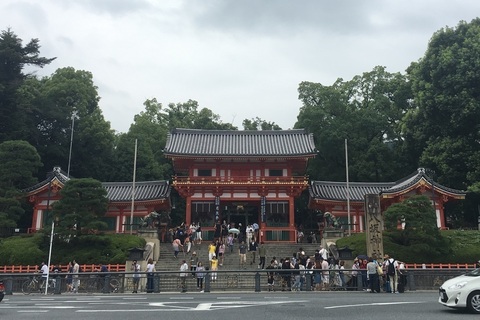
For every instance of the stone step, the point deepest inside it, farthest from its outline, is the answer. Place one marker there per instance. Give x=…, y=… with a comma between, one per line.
x=167, y=261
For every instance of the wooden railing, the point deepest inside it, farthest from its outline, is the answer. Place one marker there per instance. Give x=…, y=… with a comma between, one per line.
x=240, y=180
x=440, y=266
x=121, y=267
x=64, y=268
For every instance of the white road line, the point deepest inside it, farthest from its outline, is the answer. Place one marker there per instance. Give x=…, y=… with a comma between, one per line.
x=372, y=304
x=204, y=306
x=32, y=311
x=174, y=306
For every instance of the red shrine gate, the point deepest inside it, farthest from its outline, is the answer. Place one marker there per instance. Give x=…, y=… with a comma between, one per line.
x=242, y=177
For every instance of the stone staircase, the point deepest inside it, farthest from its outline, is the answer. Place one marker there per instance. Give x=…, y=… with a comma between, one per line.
x=167, y=261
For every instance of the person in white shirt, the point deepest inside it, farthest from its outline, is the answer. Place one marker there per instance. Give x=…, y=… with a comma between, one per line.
x=136, y=275
x=324, y=253
x=44, y=271
x=150, y=270
x=183, y=275
x=76, y=281
x=390, y=266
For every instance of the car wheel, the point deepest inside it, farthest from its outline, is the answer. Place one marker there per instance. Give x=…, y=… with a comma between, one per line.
x=473, y=302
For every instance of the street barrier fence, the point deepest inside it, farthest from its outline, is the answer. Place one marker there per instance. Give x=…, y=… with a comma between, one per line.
x=214, y=281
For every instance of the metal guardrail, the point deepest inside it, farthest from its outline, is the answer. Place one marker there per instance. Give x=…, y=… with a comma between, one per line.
x=214, y=281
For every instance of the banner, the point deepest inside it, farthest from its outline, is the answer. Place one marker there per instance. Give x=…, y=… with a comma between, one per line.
x=263, y=205
x=217, y=208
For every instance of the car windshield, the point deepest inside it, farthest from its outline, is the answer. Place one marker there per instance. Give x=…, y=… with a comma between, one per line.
x=473, y=273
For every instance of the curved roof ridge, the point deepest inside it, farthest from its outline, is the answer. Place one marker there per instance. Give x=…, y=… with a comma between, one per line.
x=247, y=143
x=336, y=190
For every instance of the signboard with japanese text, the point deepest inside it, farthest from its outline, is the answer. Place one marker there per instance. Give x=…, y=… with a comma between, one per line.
x=374, y=226
x=263, y=204
x=217, y=208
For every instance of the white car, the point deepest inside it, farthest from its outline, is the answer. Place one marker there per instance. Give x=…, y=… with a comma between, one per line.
x=462, y=292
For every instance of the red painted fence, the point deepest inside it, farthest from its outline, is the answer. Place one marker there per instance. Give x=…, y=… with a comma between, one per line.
x=64, y=268
x=121, y=267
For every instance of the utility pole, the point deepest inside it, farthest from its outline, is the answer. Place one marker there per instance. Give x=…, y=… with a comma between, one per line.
x=73, y=117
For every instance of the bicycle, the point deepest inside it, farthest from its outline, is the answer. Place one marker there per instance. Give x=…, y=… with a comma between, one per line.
x=97, y=284
x=34, y=285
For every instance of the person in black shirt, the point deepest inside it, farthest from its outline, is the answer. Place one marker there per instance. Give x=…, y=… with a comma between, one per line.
x=271, y=275
x=287, y=276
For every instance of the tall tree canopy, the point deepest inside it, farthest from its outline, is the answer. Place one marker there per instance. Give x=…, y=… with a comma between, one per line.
x=365, y=110
x=443, y=130
x=259, y=124
x=151, y=128
x=54, y=99
x=20, y=163
x=151, y=134
x=13, y=58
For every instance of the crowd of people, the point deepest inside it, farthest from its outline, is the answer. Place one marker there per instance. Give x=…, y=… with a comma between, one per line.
x=326, y=273
x=289, y=273
x=184, y=238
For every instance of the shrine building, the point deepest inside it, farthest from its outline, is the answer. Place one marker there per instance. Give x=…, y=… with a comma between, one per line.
x=328, y=196
x=149, y=196
x=242, y=177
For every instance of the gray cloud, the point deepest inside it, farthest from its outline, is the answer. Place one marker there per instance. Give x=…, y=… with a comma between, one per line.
x=240, y=58
x=111, y=7
x=283, y=16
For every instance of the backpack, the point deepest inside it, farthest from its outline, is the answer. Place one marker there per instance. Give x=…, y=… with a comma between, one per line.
x=391, y=268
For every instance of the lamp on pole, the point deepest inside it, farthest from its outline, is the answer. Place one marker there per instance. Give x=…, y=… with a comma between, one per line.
x=73, y=117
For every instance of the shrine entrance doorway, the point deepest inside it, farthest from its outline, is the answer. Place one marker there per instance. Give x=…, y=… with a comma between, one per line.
x=244, y=213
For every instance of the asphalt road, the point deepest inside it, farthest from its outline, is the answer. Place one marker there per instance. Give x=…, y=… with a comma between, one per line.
x=225, y=306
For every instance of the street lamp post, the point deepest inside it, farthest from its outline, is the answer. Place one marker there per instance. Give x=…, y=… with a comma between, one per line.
x=51, y=234
x=73, y=117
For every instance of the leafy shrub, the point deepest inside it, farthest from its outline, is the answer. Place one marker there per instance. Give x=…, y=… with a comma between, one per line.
x=22, y=250
x=87, y=249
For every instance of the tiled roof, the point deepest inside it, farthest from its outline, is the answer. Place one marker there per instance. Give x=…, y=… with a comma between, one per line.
x=415, y=177
x=116, y=191
x=145, y=190
x=56, y=174
x=213, y=143
x=329, y=190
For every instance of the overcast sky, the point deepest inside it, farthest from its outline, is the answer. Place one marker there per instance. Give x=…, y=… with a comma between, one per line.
x=239, y=58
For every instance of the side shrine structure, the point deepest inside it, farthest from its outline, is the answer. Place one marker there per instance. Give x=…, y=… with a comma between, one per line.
x=150, y=196
x=242, y=177
x=331, y=197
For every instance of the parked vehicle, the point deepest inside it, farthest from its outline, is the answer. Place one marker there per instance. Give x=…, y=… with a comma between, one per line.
x=462, y=292
x=2, y=290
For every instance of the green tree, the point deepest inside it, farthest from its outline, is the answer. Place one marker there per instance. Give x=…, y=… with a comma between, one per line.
x=259, y=124
x=442, y=131
x=151, y=134
x=53, y=100
x=20, y=163
x=420, y=232
x=13, y=59
x=151, y=128
x=472, y=206
x=366, y=111
x=186, y=115
x=82, y=205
